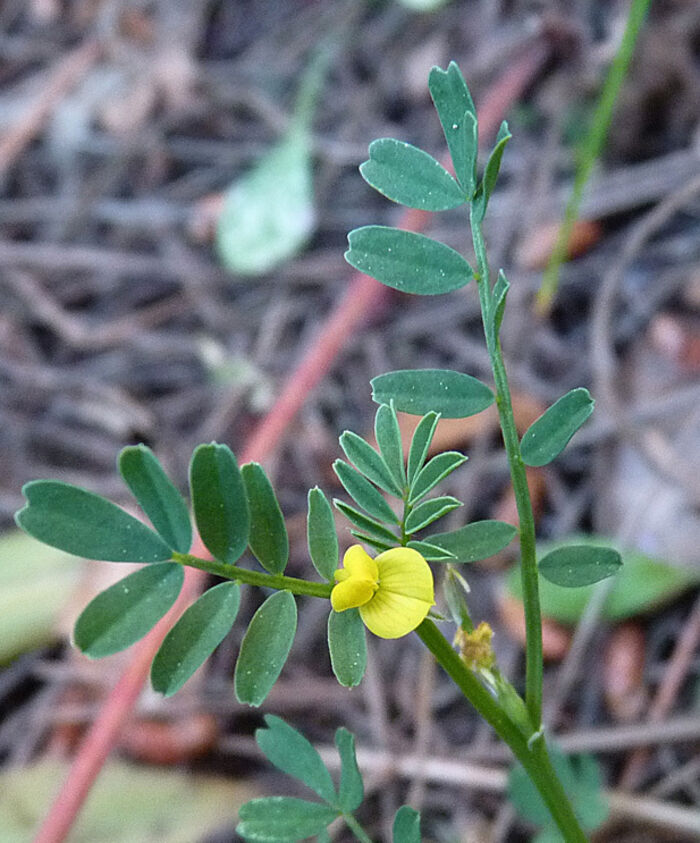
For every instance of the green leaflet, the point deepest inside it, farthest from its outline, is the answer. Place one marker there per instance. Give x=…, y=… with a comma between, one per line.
x=273, y=819
x=127, y=610
x=351, y=791
x=457, y=114
x=575, y=565
x=388, y=436
x=493, y=166
x=429, y=511
x=220, y=502
x=364, y=493
x=364, y=522
x=476, y=541
x=321, y=536
x=405, y=261
x=431, y=474
x=195, y=636
x=347, y=645
x=432, y=552
x=418, y=391
x=368, y=462
x=84, y=524
x=157, y=496
x=265, y=647
x=547, y=437
x=268, y=534
x=292, y=753
x=408, y=175
x=420, y=444
x=406, y=826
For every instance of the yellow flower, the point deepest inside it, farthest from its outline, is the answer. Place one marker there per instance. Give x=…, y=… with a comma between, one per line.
x=393, y=592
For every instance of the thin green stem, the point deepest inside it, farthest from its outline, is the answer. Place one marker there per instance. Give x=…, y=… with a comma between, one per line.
x=277, y=581
x=356, y=828
x=531, y=595
x=591, y=149
x=535, y=759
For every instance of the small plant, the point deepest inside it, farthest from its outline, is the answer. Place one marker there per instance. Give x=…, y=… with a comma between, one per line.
x=392, y=515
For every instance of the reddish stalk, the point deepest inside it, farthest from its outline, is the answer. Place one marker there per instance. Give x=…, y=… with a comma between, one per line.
x=362, y=296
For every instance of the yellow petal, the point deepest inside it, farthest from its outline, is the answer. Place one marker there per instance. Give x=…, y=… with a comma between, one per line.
x=403, y=571
x=359, y=563
x=391, y=615
x=352, y=592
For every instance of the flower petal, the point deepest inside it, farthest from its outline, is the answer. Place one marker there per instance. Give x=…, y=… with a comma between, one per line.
x=391, y=615
x=359, y=563
x=352, y=592
x=403, y=571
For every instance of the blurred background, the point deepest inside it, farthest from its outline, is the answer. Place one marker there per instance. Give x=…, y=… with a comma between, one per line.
x=177, y=181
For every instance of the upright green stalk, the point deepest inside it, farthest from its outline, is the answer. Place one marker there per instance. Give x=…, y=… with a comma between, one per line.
x=531, y=595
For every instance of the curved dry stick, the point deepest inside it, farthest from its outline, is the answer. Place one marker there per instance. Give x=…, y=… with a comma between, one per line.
x=363, y=295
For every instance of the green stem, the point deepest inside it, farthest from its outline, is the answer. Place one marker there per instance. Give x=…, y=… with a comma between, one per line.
x=591, y=149
x=535, y=759
x=356, y=828
x=529, y=573
x=277, y=581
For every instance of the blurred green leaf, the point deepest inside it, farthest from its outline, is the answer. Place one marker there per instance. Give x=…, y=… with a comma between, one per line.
x=423, y=5
x=265, y=647
x=127, y=610
x=367, y=461
x=429, y=511
x=420, y=444
x=347, y=645
x=84, y=524
x=408, y=175
x=642, y=584
x=476, y=541
x=406, y=825
x=405, y=261
x=292, y=753
x=195, y=636
x=435, y=471
x=157, y=496
x=364, y=493
x=274, y=819
x=576, y=565
x=321, y=536
x=453, y=395
x=388, y=435
x=547, y=437
x=493, y=166
x=127, y=803
x=36, y=584
x=219, y=501
x=457, y=114
x=351, y=791
x=268, y=533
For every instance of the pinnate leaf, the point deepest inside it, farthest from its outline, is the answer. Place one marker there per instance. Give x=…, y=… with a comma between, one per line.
x=292, y=753
x=268, y=534
x=273, y=819
x=127, y=610
x=84, y=524
x=351, y=791
x=573, y=566
x=195, y=636
x=405, y=261
x=265, y=647
x=453, y=395
x=321, y=536
x=408, y=175
x=547, y=437
x=219, y=501
x=347, y=645
x=476, y=541
x=157, y=496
